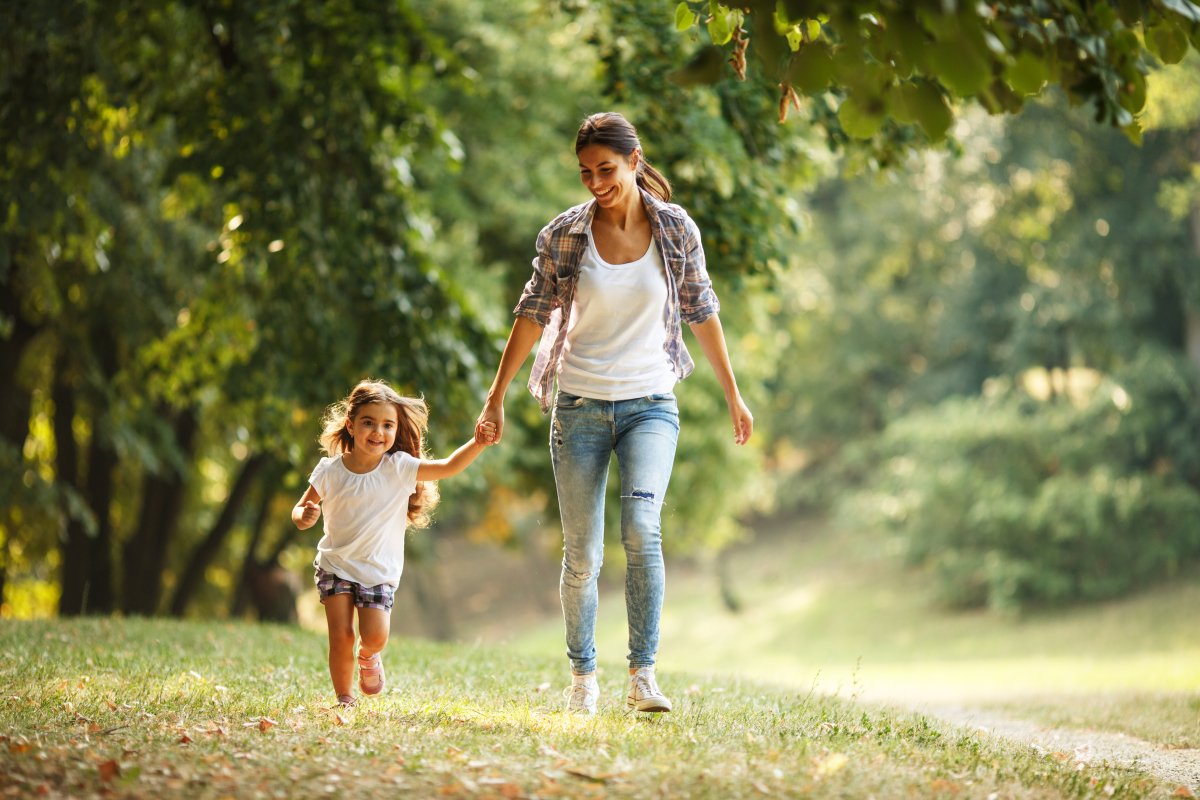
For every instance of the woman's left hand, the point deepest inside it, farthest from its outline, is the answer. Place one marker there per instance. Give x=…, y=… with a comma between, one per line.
x=743, y=420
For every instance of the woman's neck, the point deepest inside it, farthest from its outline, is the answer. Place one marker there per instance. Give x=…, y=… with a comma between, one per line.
x=360, y=464
x=628, y=214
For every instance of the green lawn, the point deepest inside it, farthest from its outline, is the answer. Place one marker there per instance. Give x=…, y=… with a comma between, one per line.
x=135, y=708
x=815, y=602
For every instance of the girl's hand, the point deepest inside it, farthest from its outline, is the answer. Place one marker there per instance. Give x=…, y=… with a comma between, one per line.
x=310, y=513
x=493, y=417
x=743, y=420
x=485, y=433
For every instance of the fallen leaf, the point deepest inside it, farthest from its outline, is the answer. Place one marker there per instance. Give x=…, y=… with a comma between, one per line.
x=195, y=674
x=762, y=787
x=42, y=789
x=693, y=689
x=266, y=724
x=94, y=728
x=111, y=705
x=338, y=718
x=322, y=740
x=453, y=788
x=1059, y=756
x=829, y=765
x=63, y=684
x=541, y=687
x=940, y=785
x=185, y=739
x=20, y=748
x=1182, y=791
x=547, y=750
x=109, y=769
x=509, y=791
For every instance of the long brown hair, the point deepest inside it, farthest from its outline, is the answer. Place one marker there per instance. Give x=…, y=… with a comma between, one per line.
x=412, y=416
x=613, y=131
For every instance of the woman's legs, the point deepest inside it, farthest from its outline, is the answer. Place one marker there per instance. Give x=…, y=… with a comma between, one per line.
x=581, y=443
x=647, y=432
x=339, y=616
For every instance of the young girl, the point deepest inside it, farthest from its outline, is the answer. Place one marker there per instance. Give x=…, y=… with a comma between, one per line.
x=374, y=481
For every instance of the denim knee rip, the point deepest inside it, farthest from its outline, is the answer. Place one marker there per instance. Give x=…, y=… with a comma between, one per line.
x=638, y=494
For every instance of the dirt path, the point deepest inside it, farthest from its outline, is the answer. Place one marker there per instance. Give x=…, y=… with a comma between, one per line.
x=1174, y=767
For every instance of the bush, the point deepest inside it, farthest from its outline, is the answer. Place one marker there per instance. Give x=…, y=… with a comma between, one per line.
x=1012, y=501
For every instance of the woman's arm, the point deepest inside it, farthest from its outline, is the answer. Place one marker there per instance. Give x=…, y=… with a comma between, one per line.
x=524, y=333
x=462, y=458
x=712, y=342
x=306, y=512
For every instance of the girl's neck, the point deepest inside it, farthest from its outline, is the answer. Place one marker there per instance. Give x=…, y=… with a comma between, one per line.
x=625, y=216
x=360, y=464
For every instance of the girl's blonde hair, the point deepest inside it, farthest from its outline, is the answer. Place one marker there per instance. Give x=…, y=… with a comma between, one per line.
x=412, y=417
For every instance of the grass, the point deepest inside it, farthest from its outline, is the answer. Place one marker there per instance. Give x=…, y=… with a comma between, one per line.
x=815, y=602
x=135, y=708
x=1169, y=719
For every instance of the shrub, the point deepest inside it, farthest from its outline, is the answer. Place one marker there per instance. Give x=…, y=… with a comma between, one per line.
x=1012, y=501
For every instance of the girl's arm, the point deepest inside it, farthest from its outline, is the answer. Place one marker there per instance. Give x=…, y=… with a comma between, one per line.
x=306, y=512
x=712, y=342
x=462, y=458
x=524, y=333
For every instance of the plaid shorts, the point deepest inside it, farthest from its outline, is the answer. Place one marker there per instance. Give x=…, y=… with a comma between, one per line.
x=380, y=596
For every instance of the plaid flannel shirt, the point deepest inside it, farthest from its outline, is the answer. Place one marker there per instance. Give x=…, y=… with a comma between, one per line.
x=548, y=295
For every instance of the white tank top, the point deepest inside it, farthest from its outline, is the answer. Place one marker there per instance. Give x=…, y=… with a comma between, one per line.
x=617, y=333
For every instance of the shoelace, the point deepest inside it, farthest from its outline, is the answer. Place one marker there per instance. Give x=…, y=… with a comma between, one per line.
x=646, y=684
x=577, y=695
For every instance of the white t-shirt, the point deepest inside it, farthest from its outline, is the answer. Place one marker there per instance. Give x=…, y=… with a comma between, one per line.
x=365, y=517
x=617, y=333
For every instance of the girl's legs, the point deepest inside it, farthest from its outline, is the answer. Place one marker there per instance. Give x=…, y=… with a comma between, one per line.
x=339, y=615
x=373, y=625
x=647, y=431
x=581, y=442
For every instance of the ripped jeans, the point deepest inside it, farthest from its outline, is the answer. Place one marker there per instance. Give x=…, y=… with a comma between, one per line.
x=583, y=435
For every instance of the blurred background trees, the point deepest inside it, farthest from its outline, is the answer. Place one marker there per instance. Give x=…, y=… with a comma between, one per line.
x=218, y=217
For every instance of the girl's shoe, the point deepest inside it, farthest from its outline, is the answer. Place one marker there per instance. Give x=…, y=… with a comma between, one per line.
x=345, y=700
x=368, y=669
x=644, y=694
x=581, y=695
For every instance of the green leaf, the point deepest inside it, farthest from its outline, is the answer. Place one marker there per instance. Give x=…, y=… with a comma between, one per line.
x=703, y=68
x=929, y=109
x=684, y=18
x=811, y=69
x=897, y=106
x=1028, y=74
x=718, y=28
x=1184, y=9
x=957, y=62
x=861, y=119
x=814, y=29
x=1168, y=41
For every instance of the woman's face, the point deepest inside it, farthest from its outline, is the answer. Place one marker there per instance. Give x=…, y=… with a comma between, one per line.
x=608, y=175
x=373, y=428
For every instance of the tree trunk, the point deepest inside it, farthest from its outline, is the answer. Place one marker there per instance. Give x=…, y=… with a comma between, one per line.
x=145, y=555
x=193, y=574
x=77, y=550
x=15, y=399
x=237, y=606
x=98, y=490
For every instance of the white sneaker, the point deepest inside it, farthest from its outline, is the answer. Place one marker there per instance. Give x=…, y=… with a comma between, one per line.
x=644, y=694
x=582, y=694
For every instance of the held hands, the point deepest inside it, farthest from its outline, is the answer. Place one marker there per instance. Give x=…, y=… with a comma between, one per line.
x=490, y=424
x=743, y=420
x=485, y=434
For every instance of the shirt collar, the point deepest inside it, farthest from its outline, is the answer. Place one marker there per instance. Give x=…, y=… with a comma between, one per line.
x=653, y=206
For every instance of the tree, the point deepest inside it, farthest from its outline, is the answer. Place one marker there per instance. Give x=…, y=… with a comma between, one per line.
x=895, y=68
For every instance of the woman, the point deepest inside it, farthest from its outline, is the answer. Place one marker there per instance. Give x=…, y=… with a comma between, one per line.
x=613, y=280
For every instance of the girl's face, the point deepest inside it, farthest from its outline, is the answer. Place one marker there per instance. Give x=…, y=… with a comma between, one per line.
x=608, y=175
x=373, y=428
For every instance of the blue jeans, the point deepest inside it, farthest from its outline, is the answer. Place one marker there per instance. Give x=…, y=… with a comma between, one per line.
x=583, y=435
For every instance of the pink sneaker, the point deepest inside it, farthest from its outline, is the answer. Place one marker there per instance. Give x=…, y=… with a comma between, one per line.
x=370, y=674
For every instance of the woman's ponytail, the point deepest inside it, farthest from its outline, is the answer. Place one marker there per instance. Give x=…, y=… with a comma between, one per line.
x=652, y=181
